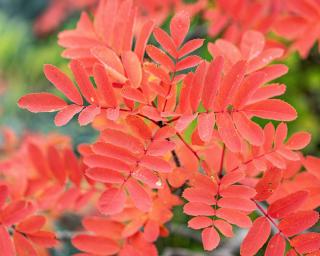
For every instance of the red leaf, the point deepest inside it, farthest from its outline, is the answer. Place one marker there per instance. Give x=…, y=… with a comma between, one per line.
x=44, y=239
x=256, y=238
x=276, y=246
x=133, y=94
x=165, y=41
x=142, y=38
x=107, y=163
x=160, y=147
x=83, y=82
x=297, y=222
x=6, y=245
x=224, y=227
x=112, y=201
x=235, y=217
x=111, y=62
x=237, y=203
x=32, y=224
x=160, y=57
x=15, y=212
x=63, y=83
x=123, y=140
x=66, y=114
x=264, y=59
x=139, y=196
x=95, y=244
x=240, y=191
x=266, y=92
x=268, y=184
x=200, y=222
x=206, y=122
x=228, y=132
x=132, y=67
x=199, y=195
x=155, y=164
x=41, y=102
x=231, y=178
x=210, y=238
x=104, y=175
x=151, y=231
x=298, y=140
x=88, y=115
x=4, y=193
x=249, y=130
x=196, y=209
x=212, y=83
x=179, y=27
x=286, y=205
x=272, y=109
x=102, y=226
x=188, y=62
x=190, y=46
x=23, y=246
x=104, y=86
x=305, y=243
x=112, y=151
x=252, y=44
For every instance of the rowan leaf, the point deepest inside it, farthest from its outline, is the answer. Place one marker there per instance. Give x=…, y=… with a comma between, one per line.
x=179, y=27
x=276, y=246
x=41, y=102
x=288, y=204
x=297, y=222
x=140, y=197
x=112, y=201
x=95, y=244
x=256, y=238
x=306, y=243
x=66, y=114
x=6, y=245
x=132, y=67
x=200, y=222
x=273, y=109
x=63, y=83
x=210, y=238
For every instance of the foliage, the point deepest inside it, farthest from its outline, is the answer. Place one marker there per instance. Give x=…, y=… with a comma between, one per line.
x=173, y=130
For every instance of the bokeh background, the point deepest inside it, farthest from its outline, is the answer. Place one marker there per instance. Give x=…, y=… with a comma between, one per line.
x=23, y=53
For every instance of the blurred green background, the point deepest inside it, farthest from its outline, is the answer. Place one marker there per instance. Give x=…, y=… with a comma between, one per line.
x=22, y=56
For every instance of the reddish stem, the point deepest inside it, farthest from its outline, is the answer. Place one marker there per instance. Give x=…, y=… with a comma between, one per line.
x=273, y=223
x=188, y=146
